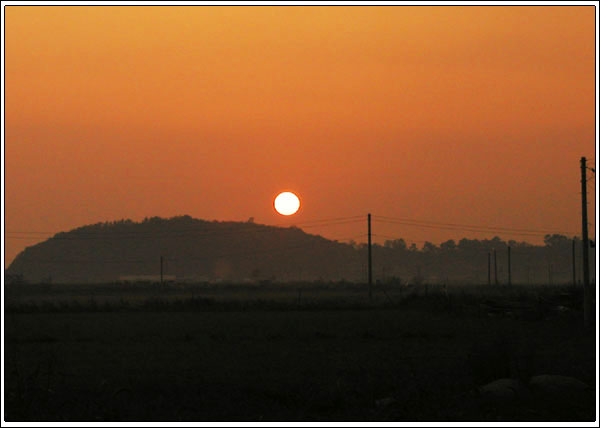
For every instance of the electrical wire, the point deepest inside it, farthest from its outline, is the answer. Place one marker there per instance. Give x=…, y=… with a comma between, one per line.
x=244, y=227
x=465, y=227
x=407, y=240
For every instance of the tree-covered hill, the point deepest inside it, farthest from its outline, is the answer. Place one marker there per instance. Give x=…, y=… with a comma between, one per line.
x=199, y=250
x=191, y=249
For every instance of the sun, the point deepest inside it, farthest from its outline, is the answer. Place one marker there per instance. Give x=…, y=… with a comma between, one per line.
x=286, y=203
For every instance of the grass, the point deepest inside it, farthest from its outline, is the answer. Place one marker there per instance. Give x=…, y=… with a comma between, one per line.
x=330, y=355
x=303, y=296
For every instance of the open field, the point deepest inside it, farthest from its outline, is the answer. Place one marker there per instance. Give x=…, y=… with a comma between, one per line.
x=290, y=352
x=302, y=295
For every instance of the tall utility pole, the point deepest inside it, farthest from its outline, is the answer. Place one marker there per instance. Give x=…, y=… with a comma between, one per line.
x=509, y=276
x=495, y=268
x=370, y=262
x=161, y=269
x=587, y=303
x=573, y=262
x=489, y=268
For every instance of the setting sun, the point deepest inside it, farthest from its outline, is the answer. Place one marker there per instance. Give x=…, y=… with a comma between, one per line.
x=286, y=203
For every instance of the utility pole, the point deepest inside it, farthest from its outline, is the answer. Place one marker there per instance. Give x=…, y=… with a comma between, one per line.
x=161, y=270
x=587, y=301
x=370, y=261
x=489, y=268
x=509, y=276
x=495, y=268
x=573, y=262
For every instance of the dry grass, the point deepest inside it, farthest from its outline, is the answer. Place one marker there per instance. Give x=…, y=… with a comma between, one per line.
x=222, y=356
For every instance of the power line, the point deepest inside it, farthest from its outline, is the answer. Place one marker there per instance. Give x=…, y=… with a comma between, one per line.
x=467, y=229
x=334, y=224
x=464, y=227
x=329, y=219
x=396, y=238
x=251, y=227
x=245, y=227
x=239, y=225
x=469, y=226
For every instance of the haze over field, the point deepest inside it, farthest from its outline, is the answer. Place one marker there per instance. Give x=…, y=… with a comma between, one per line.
x=471, y=115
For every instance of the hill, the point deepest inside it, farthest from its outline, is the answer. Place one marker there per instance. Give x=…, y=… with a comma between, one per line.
x=199, y=250
x=192, y=249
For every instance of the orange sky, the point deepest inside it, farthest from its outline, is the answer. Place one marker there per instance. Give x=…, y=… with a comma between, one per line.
x=471, y=115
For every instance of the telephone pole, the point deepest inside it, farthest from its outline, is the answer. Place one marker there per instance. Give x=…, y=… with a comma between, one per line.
x=370, y=261
x=509, y=276
x=495, y=268
x=161, y=269
x=587, y=303
x=573, y=262
x=489, y=268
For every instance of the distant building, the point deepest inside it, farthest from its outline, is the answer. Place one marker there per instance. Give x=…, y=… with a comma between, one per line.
x=146, y=278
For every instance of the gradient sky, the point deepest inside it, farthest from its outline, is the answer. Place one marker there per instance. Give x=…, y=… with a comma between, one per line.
x=471, y=115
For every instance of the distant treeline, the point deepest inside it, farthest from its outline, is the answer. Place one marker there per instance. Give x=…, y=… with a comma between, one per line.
x=467, y=261
x=199, y=250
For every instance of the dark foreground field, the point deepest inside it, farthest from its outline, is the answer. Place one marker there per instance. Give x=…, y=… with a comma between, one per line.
x=404, y=357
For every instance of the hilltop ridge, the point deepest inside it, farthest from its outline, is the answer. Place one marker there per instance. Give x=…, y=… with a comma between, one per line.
x=202, y=250
x=192, y=249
